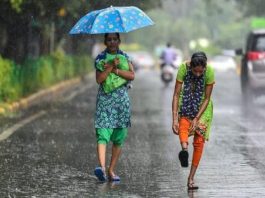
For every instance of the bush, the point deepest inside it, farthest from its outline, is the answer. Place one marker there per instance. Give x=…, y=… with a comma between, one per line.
x=10, y=88
x=58, y=58
x=34, y=74
x=44, y=75
x=83, y=64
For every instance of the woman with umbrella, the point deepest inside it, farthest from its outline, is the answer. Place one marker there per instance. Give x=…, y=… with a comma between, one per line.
x=113, y=106
x=192, y=109
x=113, y=71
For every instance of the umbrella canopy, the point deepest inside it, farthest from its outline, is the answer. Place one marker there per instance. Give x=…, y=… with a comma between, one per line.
x=111, y=20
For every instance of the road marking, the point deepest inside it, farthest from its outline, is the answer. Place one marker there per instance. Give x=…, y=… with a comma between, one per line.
x=5, y=134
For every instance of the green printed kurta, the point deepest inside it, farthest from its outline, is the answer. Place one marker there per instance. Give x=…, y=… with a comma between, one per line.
x=113, y=108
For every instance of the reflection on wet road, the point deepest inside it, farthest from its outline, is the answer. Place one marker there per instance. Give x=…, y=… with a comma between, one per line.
x=54, y=155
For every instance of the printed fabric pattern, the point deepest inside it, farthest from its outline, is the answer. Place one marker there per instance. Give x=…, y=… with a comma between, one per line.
x=112, y=109
x=192, y=95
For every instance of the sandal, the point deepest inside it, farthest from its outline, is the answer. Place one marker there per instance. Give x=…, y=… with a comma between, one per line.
x=100, y=174
x=191, y=186
x=114, y=178
x=184, y=158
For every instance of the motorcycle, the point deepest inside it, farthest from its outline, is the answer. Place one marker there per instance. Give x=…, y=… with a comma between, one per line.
x=167, y=74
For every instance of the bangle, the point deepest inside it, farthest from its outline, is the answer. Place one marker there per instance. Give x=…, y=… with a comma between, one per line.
x=117, y=71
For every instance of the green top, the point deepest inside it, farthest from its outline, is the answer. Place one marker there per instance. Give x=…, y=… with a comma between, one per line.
x=209, y=75
x=113, y=81
x=206, y=117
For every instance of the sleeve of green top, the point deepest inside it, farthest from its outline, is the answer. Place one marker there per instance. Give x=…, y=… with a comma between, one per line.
x=181, y=72
x=100, y=65
x=210, y=79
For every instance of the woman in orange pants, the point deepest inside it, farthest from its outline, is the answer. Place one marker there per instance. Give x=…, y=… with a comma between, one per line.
x=192, y=109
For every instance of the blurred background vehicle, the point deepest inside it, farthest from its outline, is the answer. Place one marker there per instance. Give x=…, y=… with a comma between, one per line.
x=167, y=74
x=179, y=55
x=142, y=59
x=223, y=63
x=253, y=64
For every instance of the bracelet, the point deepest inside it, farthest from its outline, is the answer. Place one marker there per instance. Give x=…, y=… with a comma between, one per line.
x=117, y=71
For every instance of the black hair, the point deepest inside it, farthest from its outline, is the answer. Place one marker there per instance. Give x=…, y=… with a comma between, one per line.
x=168, y=44
x=198, y=59
x=106, y=35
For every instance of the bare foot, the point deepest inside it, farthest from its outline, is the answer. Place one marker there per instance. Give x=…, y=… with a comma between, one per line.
x=191, y=185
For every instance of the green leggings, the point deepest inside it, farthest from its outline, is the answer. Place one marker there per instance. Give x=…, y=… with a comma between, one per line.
x=117, y=135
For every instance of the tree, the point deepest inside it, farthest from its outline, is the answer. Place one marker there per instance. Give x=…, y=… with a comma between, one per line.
x=252, y=8
x=31, y=26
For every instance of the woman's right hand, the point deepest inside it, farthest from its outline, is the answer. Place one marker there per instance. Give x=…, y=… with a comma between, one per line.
x=175, y=127
x=108, y=67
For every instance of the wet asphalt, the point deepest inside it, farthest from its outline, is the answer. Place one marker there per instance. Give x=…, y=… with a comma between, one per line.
x=54, y=154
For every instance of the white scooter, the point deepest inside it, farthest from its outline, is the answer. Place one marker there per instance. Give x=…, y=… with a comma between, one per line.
x=167, y=74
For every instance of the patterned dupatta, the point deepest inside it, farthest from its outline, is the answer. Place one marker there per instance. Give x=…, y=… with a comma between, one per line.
x=192, y=94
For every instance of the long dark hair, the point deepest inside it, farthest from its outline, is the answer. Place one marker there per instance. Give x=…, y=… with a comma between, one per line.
x=198, y=58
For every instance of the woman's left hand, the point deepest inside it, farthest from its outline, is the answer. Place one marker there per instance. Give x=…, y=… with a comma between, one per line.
x=194, y=124
x=116, y=62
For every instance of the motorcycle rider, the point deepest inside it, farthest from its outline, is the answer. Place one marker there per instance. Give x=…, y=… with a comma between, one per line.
x=168, y=56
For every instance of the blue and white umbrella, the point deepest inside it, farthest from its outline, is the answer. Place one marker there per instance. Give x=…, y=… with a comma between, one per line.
x=111, y=20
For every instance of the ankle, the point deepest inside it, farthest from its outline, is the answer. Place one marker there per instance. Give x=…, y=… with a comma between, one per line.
x=190, y=180
x=103, y=168
x=111, y=173
x=184, y=146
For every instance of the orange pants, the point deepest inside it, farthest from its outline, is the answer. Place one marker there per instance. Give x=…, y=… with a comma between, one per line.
x=198, y=141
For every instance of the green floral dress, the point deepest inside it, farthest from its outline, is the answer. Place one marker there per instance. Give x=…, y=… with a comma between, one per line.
x=112, y=108
x=207, y=116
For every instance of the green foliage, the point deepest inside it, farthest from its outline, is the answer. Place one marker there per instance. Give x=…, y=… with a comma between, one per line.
x=44, y=75
x=16, y=5
x=83, y=64
x=35, y=74
x=59, y=67
x=221, y=22
x=69, y=67
x=23, y=17
x=252, y=8
x=9, y=83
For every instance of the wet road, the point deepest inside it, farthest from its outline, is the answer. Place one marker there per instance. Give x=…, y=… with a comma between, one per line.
x=52, y=150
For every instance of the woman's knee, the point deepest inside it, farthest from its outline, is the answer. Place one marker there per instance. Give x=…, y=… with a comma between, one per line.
x=103, y=135
x=184, y=125
x=119, y=136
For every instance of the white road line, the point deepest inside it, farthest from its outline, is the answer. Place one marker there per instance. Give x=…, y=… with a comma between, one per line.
x=5, y=134
x=75, y=93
